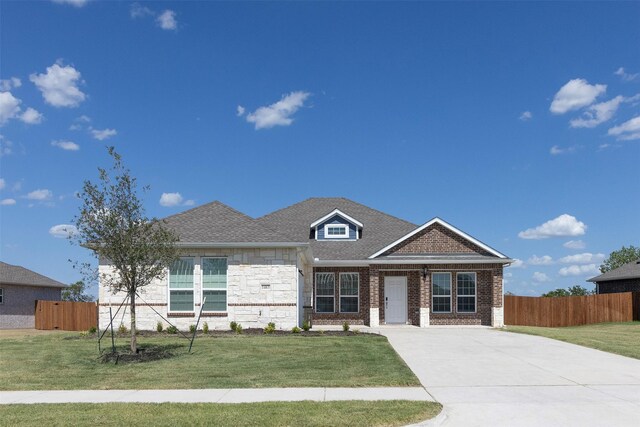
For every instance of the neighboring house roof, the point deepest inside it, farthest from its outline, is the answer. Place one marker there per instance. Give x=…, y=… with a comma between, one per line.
x=630, y=270
x=16, y=275
x=216, y=222
x=379, y=228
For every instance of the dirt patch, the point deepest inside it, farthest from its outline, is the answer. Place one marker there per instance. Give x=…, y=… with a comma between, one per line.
x=145, y=354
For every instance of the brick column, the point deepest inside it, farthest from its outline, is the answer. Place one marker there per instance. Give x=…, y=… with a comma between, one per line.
x=425, y=287
x=374, y=297
x=497, y=310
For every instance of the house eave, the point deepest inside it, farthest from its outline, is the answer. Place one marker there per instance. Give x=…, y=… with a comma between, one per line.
x=242, y=244
x=366, y=263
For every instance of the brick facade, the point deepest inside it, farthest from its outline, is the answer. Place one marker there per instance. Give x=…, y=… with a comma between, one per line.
x=337, y=318
x=615, y=286
x=436, y=239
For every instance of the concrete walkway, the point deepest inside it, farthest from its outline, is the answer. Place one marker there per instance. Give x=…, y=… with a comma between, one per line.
x=488, y=377
x=234, y=395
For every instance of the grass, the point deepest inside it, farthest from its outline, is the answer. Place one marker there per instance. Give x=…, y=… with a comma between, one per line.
x=54, y=363
x=349, y=413
x=619, y=338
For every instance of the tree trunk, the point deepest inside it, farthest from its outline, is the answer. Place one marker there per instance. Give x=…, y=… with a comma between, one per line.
x=134, y=341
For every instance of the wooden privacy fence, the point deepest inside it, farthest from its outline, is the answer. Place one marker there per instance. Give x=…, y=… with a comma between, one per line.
x=66, y=315
x=571, y=311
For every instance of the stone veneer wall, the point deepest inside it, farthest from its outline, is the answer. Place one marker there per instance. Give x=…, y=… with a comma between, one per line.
x=261, y=288
x=19, y=304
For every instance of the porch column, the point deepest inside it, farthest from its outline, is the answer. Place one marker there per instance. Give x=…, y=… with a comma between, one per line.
x=497, y=309
x=374, y=297
x=425, y=286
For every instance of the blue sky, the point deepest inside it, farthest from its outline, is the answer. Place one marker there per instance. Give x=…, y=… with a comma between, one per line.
x=517, y=122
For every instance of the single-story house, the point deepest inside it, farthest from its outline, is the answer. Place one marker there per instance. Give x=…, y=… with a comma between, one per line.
x=19, y=290
x=625, y=278
x=323, y=260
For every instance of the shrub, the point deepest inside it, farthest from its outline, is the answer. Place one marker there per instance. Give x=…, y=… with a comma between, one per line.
x=192, y=328
x=271, y=327
x=93, y=330
x=205, y=328
x=233, y=325
x=159, y=327
x=295, y=330
x=345, y=326
x=172, y=329
x=306, y=325
x=356, y=331
x=321, y=331
x=238, y=329
x=122, y=329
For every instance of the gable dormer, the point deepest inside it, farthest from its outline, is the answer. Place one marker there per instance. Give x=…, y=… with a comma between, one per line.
x=337, y=226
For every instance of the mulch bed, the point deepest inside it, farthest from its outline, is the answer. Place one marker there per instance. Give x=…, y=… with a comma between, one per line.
x=222, y=333
x=145, y=354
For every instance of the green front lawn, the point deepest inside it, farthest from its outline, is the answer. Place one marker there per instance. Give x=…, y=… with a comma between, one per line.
x=236, y=361
x=350, y=413
x=619, y=338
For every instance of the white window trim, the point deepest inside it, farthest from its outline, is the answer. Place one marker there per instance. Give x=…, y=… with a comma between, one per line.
x=345, y=227
x=348, y=296
x=475, y=293
x=1, y=296
x=169, y=288
x=433, y=296
x=202, y=289
x=315, y=288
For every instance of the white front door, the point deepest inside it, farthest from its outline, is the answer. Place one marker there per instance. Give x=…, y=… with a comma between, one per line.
x=395, y=299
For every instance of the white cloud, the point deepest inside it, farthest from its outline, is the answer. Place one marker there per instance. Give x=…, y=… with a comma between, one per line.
x=574, y=244
x=76, y=3
x=167, y=20
x=585, y=258
x=41, y=194
x=579, y=270
x=279, y=113
x=598, y=113
x=170, y=199
x=526, y=115
x=7, y=202
x=189, y=202
x=9, y=107
x=627, y=131
x=6, y=146
x=626, y=76
x=517, y=263
x=564, y=225
x=577, y=93
x=240, y=110
x=543, y=260
x=31, y=116
x=139, y=11
x=59, y=86
x=66, y=145
x=557, y=150
x=540, y=277
x=3, y=183
x=63, y=231
x=103, y=134
x=8, y=84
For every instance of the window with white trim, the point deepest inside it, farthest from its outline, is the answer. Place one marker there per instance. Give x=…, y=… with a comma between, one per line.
x=349, y=292
x=441, y=292
x=336, y=231
x=214, y=284
x=181, y=285
x=466, y=295
x=325, y=292
x=1, y=296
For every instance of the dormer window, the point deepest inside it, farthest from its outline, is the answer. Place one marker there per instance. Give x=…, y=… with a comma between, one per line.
x=336, y=231
x=336, y=225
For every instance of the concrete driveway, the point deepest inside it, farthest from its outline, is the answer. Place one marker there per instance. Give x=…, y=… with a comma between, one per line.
x=486, y=377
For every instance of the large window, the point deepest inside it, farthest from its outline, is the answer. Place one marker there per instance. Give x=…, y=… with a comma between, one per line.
x=349, y=292
x=441, y=291
x=466, y=285
x=181, y=285
x=214, y=284
x=325, y=292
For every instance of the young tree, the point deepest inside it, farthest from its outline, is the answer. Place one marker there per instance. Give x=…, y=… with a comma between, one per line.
x=576, y=290
x=113, y=225
x=75, y=292
x=620, y=257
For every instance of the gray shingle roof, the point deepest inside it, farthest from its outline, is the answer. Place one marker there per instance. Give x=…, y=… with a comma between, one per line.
x=378, y=231
x=630, y=270
x=216, y=222
x=16, y=275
